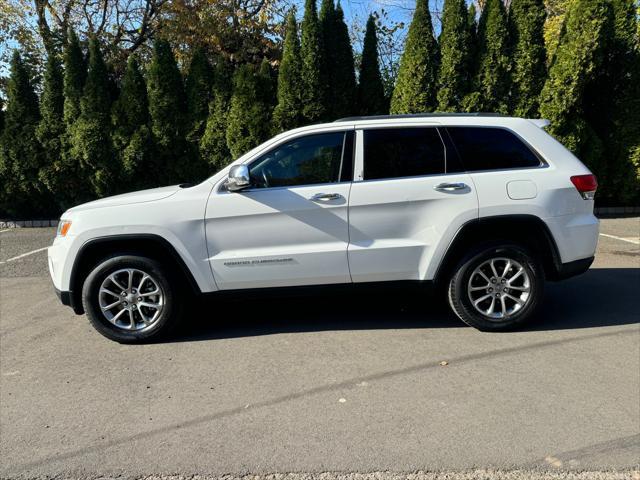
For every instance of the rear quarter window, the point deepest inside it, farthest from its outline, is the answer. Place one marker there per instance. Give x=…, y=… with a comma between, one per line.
x=488, y=148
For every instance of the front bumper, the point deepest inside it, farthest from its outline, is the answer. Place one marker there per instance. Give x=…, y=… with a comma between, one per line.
x=68, y=300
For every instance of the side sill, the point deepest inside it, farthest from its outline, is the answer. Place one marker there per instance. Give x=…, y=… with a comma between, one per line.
x=67, y=299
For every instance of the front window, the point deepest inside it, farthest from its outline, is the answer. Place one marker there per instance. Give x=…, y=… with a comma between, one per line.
x=314, y=159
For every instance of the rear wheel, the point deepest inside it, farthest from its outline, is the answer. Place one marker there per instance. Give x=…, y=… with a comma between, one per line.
x=497, y=288
x=129, y=299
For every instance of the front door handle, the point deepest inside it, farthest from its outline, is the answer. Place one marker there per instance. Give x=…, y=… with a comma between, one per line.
x=324, y=197
x=450, y=187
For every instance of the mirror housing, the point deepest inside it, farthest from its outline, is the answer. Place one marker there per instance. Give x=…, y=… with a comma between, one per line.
x=238, y=178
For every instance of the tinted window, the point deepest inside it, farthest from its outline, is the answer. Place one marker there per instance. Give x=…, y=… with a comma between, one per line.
x=491, y=149
x=402, y=152
x=302, y=161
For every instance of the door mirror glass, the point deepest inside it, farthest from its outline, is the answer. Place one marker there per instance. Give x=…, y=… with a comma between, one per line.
x=238, y=178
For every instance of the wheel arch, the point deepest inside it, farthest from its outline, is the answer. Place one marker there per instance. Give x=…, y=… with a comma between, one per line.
x=529, y=231
x=149, y=245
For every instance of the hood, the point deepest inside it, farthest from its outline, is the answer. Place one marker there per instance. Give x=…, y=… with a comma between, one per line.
x=141, y=196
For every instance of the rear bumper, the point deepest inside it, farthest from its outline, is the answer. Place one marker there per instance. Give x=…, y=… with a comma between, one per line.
x=571, y=269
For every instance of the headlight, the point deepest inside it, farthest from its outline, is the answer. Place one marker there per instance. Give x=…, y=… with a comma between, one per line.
x=63, y=228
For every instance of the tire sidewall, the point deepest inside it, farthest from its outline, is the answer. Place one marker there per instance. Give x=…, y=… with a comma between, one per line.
x=458, y=289
x=91, y=304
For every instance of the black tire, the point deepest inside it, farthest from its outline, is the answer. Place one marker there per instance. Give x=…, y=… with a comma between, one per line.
x=459, y=288
x=166, y=320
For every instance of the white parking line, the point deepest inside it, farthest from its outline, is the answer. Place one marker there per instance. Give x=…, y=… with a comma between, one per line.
x=24, y=255
x=6, y=230
x=628, y=240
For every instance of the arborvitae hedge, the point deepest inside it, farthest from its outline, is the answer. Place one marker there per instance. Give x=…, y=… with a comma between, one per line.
x=248, y=120
x=371, y=97
x=50, y=133
x=313, y=72
x=415, y=89
x=289, y=110
x=213, y=146
x=91, y=140
x=132, y=138
x=455, y=48
x=526, y=20
x=169, y=120
x=491, y=84
x=20, y=158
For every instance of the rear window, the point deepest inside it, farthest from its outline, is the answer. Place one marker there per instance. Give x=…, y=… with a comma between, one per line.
x=484, y=148
x=402, y=152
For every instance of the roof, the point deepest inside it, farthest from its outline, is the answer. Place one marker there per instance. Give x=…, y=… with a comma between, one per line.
x=419, y=115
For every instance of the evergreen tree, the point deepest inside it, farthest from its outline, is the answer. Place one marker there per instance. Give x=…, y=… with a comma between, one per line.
x=314, y=75
x=289, y=112
x=342, y=68
x=75, y=74
x=491, y=85
x=167, y=108
x=50, y=133
x=371, y=97
x=91, y=141
x=131, y=133
x=415, y=89
x=199, y=84
x=455, y=47
x=526, y=18
x=248, y=118
x=20, y=159
x=1, y=117
x=213, y=146
x=578, y=58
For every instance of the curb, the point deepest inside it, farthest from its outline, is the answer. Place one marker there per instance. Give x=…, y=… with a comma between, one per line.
x=28, y=223
x=616, y=210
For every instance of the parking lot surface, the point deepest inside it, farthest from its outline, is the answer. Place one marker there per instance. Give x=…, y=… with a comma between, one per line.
x=373, y=383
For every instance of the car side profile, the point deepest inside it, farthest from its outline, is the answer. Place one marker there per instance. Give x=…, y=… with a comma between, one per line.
x=488, y=207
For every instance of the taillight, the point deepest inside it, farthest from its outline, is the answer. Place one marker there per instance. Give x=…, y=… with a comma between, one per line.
x=586, y=185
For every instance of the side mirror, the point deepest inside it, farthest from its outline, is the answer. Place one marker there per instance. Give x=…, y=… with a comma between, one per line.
x=238, y=178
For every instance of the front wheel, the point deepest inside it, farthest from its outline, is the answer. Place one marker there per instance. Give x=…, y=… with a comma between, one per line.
x=129, y=299
x=497, y=288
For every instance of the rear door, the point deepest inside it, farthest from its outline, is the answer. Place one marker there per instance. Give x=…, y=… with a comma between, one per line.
x=408, y=195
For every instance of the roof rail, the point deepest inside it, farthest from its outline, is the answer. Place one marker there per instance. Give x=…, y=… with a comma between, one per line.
x=419, y=115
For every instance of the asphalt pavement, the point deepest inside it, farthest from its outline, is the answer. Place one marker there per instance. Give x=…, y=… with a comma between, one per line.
x=371, y=386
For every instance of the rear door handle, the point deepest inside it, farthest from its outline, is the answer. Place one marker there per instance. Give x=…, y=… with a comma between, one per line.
x=450, y=187
x=324, y=197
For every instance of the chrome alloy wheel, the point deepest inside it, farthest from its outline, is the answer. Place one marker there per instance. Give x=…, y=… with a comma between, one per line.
x=499, y=287
x=131, y=299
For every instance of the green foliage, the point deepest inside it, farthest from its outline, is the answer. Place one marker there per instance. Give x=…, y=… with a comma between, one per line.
x=75, y=74
x=455, y=48
x=213, y=146
x=491, y=84
x=248, y=118
x=578, y=57
x=314, y=75
x=168, y=111
x=131, y=134
x=338, y=54
x=289, y=112
x=527, y=19
x=199, y=84
x=415, y=89
x=371, y=98
x=91, y=141
x=20, y=157
x=50, y=134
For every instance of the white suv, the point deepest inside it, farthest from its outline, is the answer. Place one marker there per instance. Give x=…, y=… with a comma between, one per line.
x=486, y=206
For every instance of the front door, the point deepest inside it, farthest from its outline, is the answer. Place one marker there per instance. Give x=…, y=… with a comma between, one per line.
x=409, y=194
x=290, y=227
